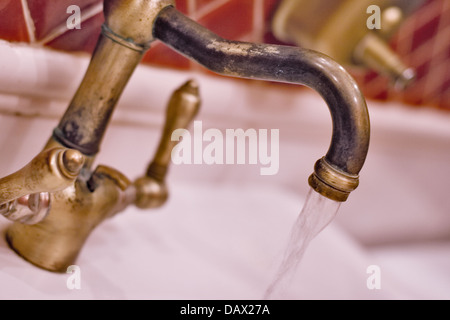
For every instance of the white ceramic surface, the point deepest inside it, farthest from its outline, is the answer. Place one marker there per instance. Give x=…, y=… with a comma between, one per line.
x=222, y=233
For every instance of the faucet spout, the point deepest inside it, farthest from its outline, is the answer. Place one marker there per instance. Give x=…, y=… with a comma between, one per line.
x=336, y=174
x=82, y=198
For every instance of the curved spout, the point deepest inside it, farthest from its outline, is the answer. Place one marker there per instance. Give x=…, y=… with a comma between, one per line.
x=336, y=175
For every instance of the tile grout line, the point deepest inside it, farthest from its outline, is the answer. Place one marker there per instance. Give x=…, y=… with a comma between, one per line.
x=62, y=28
x=247, y=37
x=406, y=36
x=421, y=54
x=423, y=15
x=258, y=21
x=375, y=82
x=433, y=84
x=210, y=7
x=192, y=13
x=432, y=41
x=404, y=44
x=31, y=29
x=198, y=14
x=191, y=9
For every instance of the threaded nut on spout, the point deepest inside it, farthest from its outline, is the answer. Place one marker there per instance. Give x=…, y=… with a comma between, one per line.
x=332, y=183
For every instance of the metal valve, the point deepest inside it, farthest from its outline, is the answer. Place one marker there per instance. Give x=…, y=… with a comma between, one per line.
x=79, y=203
x=183, y=106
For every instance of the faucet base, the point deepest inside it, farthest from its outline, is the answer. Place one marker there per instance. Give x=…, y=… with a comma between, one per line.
x=54, y=243
x=49, y=258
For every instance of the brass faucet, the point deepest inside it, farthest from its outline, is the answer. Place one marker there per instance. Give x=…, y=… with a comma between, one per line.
x=25, y=195
x=344, y=30
x=71, y=201
x=80, y=198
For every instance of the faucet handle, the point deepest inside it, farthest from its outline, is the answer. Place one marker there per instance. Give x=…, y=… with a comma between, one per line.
x=183, y=106
x=51, y=170
x=25, y=194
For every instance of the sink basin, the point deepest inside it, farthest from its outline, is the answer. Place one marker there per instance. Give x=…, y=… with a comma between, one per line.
x=222, y=233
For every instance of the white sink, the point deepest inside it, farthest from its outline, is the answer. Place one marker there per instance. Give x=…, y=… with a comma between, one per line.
x=222, y=233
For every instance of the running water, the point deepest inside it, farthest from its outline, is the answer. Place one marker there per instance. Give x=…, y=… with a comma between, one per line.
x=317, y=213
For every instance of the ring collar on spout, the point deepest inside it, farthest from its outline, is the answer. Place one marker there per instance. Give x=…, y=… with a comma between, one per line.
x=132, y=21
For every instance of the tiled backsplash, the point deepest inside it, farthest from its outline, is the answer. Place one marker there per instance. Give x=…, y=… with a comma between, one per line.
x=422, y=41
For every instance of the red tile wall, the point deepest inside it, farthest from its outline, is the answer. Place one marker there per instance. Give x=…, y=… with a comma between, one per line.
x=12, y=22
x=48, y=15
x=422, y=41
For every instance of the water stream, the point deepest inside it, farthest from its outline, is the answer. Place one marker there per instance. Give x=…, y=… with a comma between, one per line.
x=316, y=214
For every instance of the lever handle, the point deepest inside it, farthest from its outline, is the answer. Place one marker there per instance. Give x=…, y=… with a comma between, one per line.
x=25, y=194
x=183, y=106
x=29, y=209
x=50, y=171
x=181, y=110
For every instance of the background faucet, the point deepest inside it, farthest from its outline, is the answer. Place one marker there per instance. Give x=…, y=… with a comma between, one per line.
x=130, y=27
x=341, y=30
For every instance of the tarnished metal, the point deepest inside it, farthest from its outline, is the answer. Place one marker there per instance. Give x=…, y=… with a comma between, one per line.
x=84, y=123
x=373, y=52
x=51, y=170
x=25, y=194
x=126, y=35
x=78, y=207
x=351, y=126
x=80, y=200
x=133, y=20
x=183, y=106
x=55, y=242
x=332, y=182
x=29, y=209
